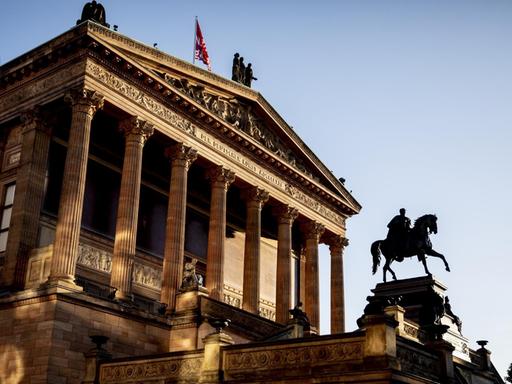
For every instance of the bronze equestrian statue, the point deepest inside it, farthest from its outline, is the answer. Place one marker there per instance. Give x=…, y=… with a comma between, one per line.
x=404, y=241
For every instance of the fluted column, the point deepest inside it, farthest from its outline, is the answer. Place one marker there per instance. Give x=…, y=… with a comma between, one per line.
x=220, y=178
x=181, y=158
x=136, y=133
x=84, y=104
x=336, y=246
x=312, y=232
x=285, y=217
x=255, y=198
x=28, y=200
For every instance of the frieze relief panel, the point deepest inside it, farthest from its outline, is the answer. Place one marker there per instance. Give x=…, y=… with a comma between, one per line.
x=44, y=86
x=287, y=357
x=233, y=297
x=418, y=362
x=240, y=116
x=139, y=97
x=101, y=260
x=185, y=368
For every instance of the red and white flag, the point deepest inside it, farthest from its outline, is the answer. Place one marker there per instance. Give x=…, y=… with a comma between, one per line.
x=200, y=48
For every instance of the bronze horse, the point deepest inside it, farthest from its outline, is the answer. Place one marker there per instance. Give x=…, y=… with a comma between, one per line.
x=417, y=243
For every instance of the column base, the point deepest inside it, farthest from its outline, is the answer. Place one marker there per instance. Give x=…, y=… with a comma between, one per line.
x=62, y=284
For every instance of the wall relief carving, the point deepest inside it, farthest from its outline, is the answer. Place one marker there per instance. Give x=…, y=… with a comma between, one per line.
x=139, y=97
x=240, y=116
x=186, y=368
x=418, y=363
x=101, y=260
x=288, y=357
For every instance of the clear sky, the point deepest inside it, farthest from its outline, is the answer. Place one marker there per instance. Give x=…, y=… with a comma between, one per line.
x=409, y=101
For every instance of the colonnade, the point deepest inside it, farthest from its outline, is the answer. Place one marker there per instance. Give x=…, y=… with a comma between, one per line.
x=84, y=104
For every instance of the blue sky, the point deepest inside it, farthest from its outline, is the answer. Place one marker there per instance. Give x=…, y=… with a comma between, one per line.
x=409, y=101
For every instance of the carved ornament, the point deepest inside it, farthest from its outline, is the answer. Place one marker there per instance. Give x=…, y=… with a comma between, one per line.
x=418, y=362
x=337, y=244
x=136, y=129
x=181, y=155
x=35, y=88
x=164, y=369
x=287, y=357
x=313, y=230
x=139, y=97
x=255, y=195
x=240, y=116
x=286, y=214
x=218, y=175
x=84, y=100
x=101, y=260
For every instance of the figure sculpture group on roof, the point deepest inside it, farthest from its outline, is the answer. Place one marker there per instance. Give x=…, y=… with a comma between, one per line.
x=240, y=73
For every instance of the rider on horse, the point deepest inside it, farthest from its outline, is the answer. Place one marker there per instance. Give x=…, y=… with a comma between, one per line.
x=399, y=228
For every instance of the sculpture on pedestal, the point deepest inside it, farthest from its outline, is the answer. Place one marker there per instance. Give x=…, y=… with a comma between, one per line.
x=403, y=241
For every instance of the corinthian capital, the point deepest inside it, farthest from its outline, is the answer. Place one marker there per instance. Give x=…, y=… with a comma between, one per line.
x=136, y=129
x=34, y=118
x=181, y=155
x=220, y=175
x=313, y=230
x=285, y=214
x=85, y=100
x=336, y=243
x=255, y=195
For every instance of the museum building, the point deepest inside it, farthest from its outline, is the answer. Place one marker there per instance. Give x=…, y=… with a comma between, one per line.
x=174, y=216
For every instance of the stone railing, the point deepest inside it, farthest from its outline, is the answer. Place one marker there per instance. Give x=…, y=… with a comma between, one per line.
x=182, y=367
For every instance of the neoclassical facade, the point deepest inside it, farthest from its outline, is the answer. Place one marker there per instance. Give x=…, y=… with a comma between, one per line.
x=171, y=217
x=120, y=164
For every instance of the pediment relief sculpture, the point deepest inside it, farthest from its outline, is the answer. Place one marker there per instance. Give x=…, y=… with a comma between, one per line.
x=241, y=116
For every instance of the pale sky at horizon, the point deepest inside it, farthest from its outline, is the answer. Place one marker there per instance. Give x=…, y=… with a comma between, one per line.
x=409, y=101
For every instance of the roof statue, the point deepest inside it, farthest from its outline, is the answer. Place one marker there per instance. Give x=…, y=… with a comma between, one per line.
x=240, y=72
x=94, y=11
x=403, y=241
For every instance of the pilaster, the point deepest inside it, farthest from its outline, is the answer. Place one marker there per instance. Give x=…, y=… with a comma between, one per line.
x=28, y=200
x=181, y=158
x=136, y=132
x=84, y=104
x=221, y=178
x=285, y=217
x=312, y=232
x=336, y=246
x=255, y=198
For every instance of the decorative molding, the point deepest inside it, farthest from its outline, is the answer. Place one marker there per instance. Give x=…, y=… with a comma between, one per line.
x=418, y=362
x=137, y=129
x=233, y=297
x=291, y=357
x=186, y=368
x=139, y=97
x=37, y=87
x=241, y=117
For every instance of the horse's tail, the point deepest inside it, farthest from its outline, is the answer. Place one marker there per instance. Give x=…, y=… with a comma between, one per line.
x=375, y=249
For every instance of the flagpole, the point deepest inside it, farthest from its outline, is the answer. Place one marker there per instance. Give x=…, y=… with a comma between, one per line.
x=195, y=39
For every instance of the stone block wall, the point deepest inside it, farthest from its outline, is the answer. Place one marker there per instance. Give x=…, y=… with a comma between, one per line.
x=43, y=339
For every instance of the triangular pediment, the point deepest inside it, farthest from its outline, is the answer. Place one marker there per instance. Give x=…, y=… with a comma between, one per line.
x=244, y=109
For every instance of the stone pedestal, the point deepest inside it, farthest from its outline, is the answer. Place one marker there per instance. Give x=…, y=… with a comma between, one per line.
x=418, y=305
x=211, y=368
